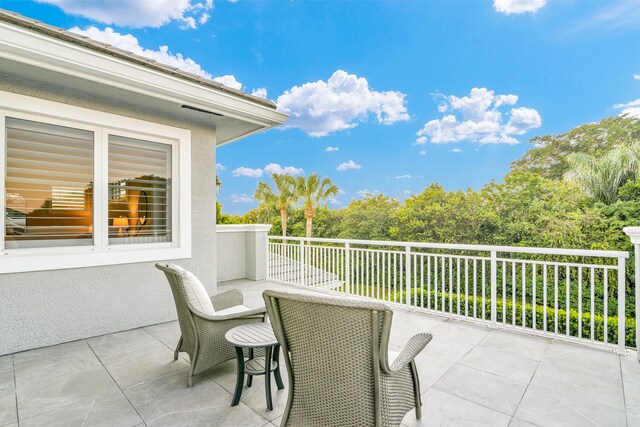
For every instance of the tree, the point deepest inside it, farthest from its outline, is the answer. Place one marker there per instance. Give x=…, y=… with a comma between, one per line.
x=314, y=193
x=280, y=200
x=548, y=157
x=370, y=218
x=603, y=176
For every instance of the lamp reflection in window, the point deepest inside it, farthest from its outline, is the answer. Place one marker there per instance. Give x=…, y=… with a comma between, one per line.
x=121, y=223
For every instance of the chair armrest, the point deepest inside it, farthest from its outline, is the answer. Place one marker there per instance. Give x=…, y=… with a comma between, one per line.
x=248, y=314
x=227, y=299
x=416, y=344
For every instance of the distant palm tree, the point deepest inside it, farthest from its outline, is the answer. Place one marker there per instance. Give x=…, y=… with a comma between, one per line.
x=602, y=177
x=280, y=200
x=314, y=192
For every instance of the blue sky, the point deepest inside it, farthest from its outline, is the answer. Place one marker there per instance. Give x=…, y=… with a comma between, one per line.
x=409, y=92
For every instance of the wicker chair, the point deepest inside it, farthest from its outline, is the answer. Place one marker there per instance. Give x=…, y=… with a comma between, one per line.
x=336, y=351
x=203, y=335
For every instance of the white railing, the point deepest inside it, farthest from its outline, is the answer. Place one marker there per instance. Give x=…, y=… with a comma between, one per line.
x=561, y=293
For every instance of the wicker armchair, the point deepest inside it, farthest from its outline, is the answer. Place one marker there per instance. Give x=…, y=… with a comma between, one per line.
x=203, y=335
x=336, y=352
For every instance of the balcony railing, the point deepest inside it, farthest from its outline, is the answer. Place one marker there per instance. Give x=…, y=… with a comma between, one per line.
x=566, y=294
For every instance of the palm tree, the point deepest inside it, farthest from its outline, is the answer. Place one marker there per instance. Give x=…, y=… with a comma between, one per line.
x=602, y=177
x=314, y=192
x=280, y=200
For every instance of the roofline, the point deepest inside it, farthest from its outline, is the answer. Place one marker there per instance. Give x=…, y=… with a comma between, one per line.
x=85, y=42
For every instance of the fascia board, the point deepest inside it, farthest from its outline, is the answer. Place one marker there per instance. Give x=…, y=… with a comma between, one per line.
x=56, y=55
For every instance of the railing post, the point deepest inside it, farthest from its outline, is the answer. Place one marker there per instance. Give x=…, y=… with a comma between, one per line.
x=622, y=315
x=303, y=266
x=494, y=286
x=347, y=268
x=407, y=280
x=634, y=234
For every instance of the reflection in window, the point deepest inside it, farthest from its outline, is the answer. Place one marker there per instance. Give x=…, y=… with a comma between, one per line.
x=48, y=186
x=139, y=194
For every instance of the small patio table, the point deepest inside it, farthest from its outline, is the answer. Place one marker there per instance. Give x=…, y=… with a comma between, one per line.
x=252, y=336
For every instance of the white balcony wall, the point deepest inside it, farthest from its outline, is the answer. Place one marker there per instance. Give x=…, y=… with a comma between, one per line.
x=49, y=307
x=242, y=251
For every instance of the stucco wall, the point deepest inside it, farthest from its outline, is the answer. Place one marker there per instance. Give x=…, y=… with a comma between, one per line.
x=49, y=307
x=242, y=251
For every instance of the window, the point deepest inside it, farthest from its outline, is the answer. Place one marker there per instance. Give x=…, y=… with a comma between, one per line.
x=110, y=188
x=48, y=185
x=139, y=191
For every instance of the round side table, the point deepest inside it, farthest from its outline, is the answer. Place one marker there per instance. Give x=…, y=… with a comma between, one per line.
x=251, y=336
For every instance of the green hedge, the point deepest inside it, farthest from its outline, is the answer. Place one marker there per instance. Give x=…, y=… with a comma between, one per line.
x=612, y=322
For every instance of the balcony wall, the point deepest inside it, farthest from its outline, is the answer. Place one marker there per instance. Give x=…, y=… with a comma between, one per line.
x=242, y=251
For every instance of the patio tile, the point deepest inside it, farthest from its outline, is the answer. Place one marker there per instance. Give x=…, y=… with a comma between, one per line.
x=458, y=331
x=500, y=363
x=443, y=348
x=431, y=369
x=145, y=366
x=483, y=388
x=546, y=407
x=6, y=373
x=630, y=368
x=585, y=387
x=443, y=409
x=88, y=397
x=167, y=333
x=8, y=411
x=583, y=359
x=254, y=397
x=167, y=401
x=277, y=421
x=50, y=362
x=632, y=402
x=515, y=422
x=515, y=344
x=124, y=345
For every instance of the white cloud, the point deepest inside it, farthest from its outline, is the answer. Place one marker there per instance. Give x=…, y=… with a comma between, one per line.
x=456, y=150
x=403, y=177
x=422, y=152
x=320, y=108
x=334, y=201
x=241, y=198
x=476, y=118
x=269, y=169
x=631, y=109
x=516, y=7
x=251, y=173
x=261, y=92
x=366, y=193
x=330, y=149
x=277, y=169
x=350, y=165
x=622, y=15
x=420, y=141
x=162, y=55
x=138, y=13
x=220, y=167
x=341, y=192
x=636, y=76
x=407, y=192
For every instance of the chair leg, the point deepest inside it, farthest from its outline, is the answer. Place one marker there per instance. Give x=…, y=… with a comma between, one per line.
x=175, y=353
x=190, y=377
x=416, y=389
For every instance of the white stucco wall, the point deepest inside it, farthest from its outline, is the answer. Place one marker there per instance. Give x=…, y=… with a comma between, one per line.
x=50, y=307
x=242, y=251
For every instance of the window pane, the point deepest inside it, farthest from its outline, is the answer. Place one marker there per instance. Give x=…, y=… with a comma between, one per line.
x=139, y=191
x=48, y=185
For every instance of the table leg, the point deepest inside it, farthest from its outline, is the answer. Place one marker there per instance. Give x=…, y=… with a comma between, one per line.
x=267, y=376
x=240, y=376
x=276, y=358
x=250, y=377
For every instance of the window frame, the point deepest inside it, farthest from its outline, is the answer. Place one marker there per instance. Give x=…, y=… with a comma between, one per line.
x=102, y=125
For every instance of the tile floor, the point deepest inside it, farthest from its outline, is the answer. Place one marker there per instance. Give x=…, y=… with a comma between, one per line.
x=469, y=376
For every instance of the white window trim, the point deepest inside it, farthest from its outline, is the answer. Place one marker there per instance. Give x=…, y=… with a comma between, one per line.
x=102, y=124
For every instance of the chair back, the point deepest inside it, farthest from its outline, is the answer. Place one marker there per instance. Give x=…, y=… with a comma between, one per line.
x=185, y=318
x=332, y=348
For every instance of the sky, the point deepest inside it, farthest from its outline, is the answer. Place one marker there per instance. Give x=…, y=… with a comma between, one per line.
x=384, y=96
